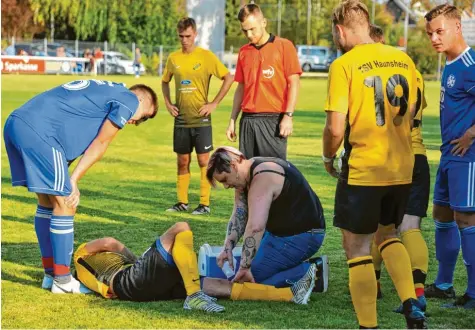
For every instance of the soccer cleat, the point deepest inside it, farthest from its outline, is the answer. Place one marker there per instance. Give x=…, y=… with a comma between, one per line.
x=178, y=207
x=201, y=209
x=73, y=286
x=47, y=282
x=432, y=291
x=302, y=289
x=415, y=317
x=203, y=302
x=422, y=305
x=464, y=301
x=321, y=277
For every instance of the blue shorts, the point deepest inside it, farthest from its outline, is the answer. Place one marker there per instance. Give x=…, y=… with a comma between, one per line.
x=454, y=185
x=34, y=163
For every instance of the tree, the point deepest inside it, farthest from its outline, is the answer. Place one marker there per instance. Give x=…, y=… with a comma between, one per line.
x=17, y=19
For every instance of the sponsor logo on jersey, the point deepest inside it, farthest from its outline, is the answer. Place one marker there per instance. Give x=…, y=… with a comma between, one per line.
x=186, y=82
x=268, y=73
x=451, y=81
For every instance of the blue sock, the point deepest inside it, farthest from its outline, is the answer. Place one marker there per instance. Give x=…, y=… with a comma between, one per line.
x=447, y=247
x=62, y=239
x=42, y=224
x=468, y=251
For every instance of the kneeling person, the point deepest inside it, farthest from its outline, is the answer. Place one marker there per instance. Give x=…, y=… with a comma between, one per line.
x=167, y=270
x=276, y=211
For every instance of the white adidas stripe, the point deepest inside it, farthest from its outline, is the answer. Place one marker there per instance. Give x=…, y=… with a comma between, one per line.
x=469, y=189
x=45, y=216
x=55, y=170
x=58, y=231
x=464, y=60
x=472, y=184
x=470, y=58
x=58, y=170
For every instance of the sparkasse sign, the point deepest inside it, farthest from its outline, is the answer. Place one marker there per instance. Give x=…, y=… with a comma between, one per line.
x=22, y=65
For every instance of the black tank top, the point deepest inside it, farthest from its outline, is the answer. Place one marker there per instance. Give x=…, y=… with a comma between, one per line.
x=297, y=209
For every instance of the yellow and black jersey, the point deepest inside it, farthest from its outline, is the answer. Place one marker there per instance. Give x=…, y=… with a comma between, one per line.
x=374, y=85
x=192, y=74
x=96, y=270
x=417, y=144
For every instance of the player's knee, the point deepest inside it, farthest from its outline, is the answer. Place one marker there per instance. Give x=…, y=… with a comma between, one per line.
x=465, y=219
x=110, y=243
x=182, y=226
x=409, y=222
x=442, y=213
x=384, y=233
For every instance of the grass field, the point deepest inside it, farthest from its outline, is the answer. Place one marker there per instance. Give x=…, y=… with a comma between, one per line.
x=124, y=196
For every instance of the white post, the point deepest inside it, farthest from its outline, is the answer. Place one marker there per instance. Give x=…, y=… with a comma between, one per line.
x=133, y=50
x=160, y=66
x=106, y=47
x=76, y=45
x=45, y=43
x=279, y=18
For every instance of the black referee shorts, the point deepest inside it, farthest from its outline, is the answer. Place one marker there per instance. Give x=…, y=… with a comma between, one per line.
x=259, y=136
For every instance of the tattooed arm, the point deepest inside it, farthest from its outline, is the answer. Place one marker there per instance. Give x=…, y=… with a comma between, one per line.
x=265, y=187
x=236, y=227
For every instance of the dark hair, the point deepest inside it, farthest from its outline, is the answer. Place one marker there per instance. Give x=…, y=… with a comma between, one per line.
x=185, y=23
x=220, y=161
x=247, y=10
x=153, y=96
x=376, y=33
x=447, y=10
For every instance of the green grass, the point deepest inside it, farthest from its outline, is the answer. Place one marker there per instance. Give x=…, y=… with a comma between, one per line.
x=124, y=196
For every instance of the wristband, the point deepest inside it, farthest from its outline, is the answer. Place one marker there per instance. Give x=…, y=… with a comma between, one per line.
x=328, y=160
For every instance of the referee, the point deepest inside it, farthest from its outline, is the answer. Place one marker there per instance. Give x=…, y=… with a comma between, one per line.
x=268, y=72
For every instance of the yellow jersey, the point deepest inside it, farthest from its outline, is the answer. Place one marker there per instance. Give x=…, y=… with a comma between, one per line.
x=417, y=144
x=192, y=74
x=374, y=85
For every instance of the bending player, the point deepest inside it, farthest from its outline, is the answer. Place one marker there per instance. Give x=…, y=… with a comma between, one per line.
x=45, y=135
x=169, y=270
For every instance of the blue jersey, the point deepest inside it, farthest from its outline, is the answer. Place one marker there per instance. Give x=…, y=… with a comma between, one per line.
x=70, y=116
x=457, y=103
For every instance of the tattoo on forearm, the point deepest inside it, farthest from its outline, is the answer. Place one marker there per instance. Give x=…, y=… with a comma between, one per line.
x=249, y=250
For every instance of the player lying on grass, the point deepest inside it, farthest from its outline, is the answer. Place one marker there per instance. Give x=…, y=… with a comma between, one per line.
x=169, y=270
x=48, y=133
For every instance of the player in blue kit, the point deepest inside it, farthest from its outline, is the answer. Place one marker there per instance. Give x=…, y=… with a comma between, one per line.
x=45, y=135
x=454, y=192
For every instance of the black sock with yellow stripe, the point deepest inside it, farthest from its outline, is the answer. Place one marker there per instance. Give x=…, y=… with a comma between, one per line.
x=363, y=290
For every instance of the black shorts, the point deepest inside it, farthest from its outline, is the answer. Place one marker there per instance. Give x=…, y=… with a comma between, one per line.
x=150, y=278
x=419, y=196
x=187, y=138
x=359, y=209
x=259, y=136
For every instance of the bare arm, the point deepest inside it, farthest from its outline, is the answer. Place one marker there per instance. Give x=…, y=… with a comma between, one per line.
x=172, y=109
x=208, y=108
x=93, y=153
x=261, y=194
x=235, y=230
x=333, y=134
x=109, y=244
x=286, y=124
x=238, y=96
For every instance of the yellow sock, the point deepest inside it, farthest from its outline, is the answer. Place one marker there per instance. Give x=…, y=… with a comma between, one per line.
x=398, y=266
x=363, y=290
x=419, y=255
x=377, y=260
x=186, y=262
x=182, y=184
x=205, y=188
x=254, y=291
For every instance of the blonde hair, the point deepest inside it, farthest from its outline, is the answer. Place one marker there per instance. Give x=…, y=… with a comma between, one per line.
x=350, y=13
x=248, y=10
x=446, y=10
x=376, y=33
x=220, y=161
